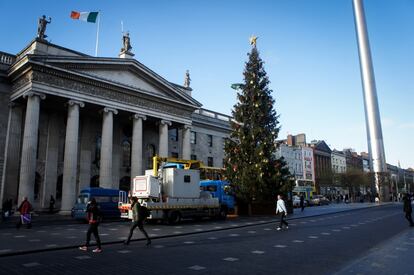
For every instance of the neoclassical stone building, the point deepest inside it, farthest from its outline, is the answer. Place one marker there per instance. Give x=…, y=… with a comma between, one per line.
x=69, y=120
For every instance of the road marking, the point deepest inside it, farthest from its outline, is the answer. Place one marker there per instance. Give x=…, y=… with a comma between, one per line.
x=104, y=234
x=297, y=241
x=280, y=246
x=51, y=245
x=303, y=222
x=71, y=237
x=267, y=229
x=113, y=229
x=336, y=230
x=85, y=257
x=346, y=227
x=153, y=235
x=197, y=225
x=178, y=227
x=313, y=237
x=234, y=235
x=71, y=229
x=34, y=240
x=234, y=224
x=158, y=246
x=156, y=229
x=325, y=233
x=361, y=223
x=188, y=242
x=248, y=223
x=408, y=243
x=33, y=264
x=5, y=250
x=196, y=267
x=177, y=232
x=401, y=248
x=20, y=236
x=251, y=232
x=198, y=229
x=124, y=251
x=230, y=259
x=212, y=238
x=257, y=252
x=375, y=264
x=218, y=227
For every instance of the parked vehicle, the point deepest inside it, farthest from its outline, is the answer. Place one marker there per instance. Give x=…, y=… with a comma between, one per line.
x=296, y=202
x=107, y=200
x=172, y=192
x=319, y=200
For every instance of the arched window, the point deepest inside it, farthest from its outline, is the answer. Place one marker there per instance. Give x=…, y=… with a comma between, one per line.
x=126, y=153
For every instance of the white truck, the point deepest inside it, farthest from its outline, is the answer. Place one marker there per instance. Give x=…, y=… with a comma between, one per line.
x=172, y=195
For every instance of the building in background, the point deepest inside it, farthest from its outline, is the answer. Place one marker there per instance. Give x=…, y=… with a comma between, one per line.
x=323, y=166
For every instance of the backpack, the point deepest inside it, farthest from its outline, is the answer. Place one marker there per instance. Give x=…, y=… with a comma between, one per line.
x=144, y=212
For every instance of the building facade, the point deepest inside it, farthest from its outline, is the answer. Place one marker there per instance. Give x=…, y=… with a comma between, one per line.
x=338, y=161
x=70, y=121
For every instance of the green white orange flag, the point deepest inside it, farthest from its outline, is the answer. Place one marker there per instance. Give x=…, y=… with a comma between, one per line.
x=85, y=16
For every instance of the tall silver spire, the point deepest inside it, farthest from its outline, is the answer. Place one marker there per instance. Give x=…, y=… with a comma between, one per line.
x=372, y=115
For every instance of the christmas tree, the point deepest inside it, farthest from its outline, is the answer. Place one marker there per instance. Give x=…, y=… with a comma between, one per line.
x=250, y=162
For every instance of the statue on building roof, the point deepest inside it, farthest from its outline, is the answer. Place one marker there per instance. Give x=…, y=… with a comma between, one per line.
x=187, y=79
x=41, y=27
x=126, y=41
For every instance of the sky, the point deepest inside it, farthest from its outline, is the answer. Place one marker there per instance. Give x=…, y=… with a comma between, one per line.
x=309, y=48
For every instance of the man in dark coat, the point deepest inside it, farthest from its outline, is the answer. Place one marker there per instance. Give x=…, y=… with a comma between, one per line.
x=408, y=209
x=138, y=218
x=94, y=217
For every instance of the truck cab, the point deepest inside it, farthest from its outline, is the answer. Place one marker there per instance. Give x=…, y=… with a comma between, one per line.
x=222, y=190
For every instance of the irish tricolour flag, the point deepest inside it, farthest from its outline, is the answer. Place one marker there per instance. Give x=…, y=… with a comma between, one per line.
x=85, y=16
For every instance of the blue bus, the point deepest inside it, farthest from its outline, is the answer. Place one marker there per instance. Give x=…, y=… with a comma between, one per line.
x=107, y=200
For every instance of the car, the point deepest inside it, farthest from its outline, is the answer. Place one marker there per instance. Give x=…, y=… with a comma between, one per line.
x=296, y=202
x=319, y=200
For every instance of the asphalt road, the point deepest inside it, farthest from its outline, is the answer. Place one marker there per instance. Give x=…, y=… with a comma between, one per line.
x=315, y=245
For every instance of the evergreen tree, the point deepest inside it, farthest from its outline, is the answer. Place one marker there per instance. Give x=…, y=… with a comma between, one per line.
x=250, y=162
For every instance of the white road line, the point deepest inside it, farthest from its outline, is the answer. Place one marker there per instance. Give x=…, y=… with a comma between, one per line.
x=178, y=227
x=297, y=241
x=346, y=227
x=33, y=264
x=198, y=229
x=267, y=229
x=177, y=232
x=124, y=251
x=401, y=248
x=230, y=259
x=20, y=236
x=280, y=246
x=336, y=230
x=218, y=227
x=104, y=234
x=257, y=252
x=153, y=235
x=325, y=233
x=51, y=245
x=188, y=242
x=155, y=229
x=234, y=235
x=196, y=267
x=34, y=240
x=113, y=229
x=313, y=237
x=85, y=257
x=251, y=232
x=212, y=238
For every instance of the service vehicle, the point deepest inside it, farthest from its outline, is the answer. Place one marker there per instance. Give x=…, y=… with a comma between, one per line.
x=171, y=191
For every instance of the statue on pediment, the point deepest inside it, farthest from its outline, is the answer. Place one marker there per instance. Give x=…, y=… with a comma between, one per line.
x=187, y=79
x=126, y=43
x=41, y=27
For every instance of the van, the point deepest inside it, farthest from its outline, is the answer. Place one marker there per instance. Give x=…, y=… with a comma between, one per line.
x=107, y=200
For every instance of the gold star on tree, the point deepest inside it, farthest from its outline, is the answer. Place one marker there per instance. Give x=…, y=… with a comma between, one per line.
x=253, y=39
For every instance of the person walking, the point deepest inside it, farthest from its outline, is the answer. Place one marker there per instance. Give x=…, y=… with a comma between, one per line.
x=302, y=203
x=25, y=218
x=94, y=217
x=138, y=218
x=51, y=204
x=408, y=209
x=281, y=209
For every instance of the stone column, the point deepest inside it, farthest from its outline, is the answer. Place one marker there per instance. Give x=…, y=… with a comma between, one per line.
x=29, y=147
x=105, y=173
x=70, y=164
x=116, y=156
x=51, y=163
x=137, y=146
x=163, y=138
x=10, y=177
x=85, y=160
x=186, y=142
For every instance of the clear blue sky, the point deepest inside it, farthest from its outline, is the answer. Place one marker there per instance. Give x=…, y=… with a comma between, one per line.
x=309, y=49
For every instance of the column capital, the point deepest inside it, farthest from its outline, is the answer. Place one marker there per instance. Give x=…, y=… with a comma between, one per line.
x=76, y=102
x=31, y=93
x=187, y=126
x=139, y=116
x=107, y=110
x=165, y=122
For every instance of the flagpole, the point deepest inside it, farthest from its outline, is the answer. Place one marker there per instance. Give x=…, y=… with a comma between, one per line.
x=97, y=35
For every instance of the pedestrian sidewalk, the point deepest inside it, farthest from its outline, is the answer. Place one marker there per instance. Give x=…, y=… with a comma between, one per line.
x=391, y=257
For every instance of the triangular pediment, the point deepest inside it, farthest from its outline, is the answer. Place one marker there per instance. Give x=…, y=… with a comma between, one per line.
x=322, y=146
x=121, y=72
